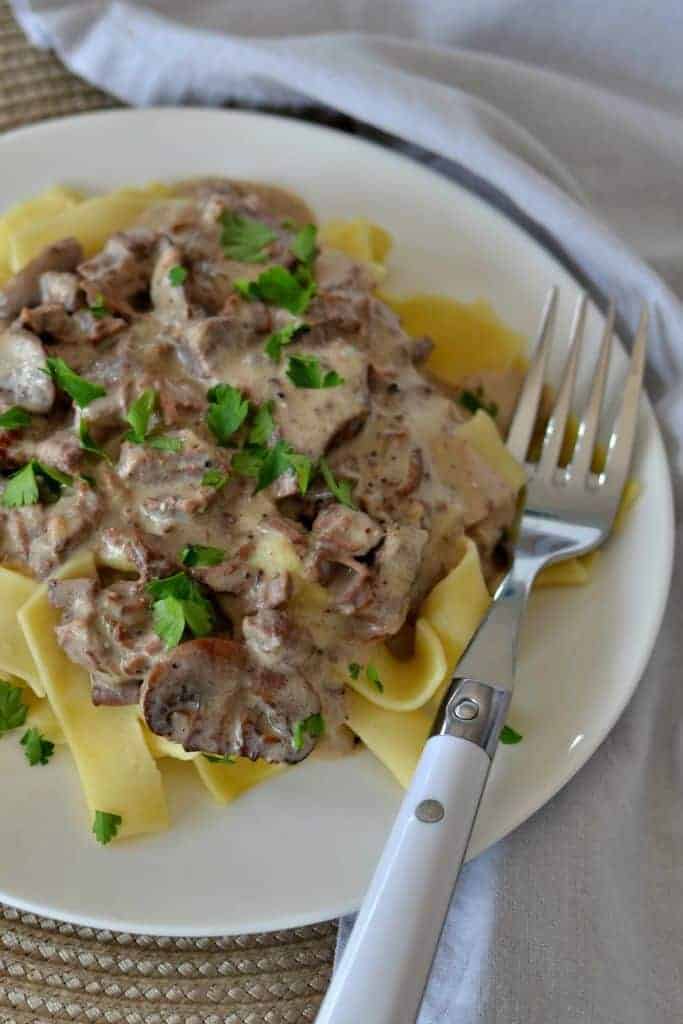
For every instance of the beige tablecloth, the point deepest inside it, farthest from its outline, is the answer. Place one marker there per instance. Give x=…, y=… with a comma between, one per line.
x=57, y=972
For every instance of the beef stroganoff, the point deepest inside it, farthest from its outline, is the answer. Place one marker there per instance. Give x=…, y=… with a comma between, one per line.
x=244, y=514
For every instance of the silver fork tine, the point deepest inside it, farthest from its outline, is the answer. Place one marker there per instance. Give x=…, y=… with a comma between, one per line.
x=523, y=422
x=588, y=427
x=620, y=445
x=557, y=424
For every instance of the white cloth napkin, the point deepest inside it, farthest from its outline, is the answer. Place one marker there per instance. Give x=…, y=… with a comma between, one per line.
x=577, y=916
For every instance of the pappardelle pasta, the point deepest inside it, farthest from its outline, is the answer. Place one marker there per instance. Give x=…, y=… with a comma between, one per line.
x=252, y=505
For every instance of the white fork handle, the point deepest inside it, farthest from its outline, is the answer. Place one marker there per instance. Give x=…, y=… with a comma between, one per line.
x=384, y=969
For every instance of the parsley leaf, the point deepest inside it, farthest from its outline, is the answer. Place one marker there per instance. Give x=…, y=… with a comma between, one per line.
x=228, y=410
x=354, y=669
x=99, y=307
x=341, y=489
x=263, y=425
x=165, y=443
x=278, y=287
x=88, y=443
x=179, y=602
x=177, y=275
x=15, y=418
x=215, y=478
x=105, y=826
x=287, y=223
x=169, y=620
x=305, y=243
x=305, y=372
x=81, y=390
x=267, y=464
x=475, y=400
x=372, y=676
x=37, y=749
x=227, y=759
x=12, y=708
x=313, y=726
x=510, y=735
x=139, y=416
x=285, y=336
x=22, y=486
x=201, y=554
x=245, y=238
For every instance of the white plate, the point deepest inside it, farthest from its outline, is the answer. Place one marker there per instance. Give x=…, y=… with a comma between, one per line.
x=302, y=847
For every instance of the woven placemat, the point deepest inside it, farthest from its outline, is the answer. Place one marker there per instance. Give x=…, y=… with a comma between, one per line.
x=50, y=971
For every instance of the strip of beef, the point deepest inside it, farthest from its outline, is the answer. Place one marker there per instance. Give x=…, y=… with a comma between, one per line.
x=132, y=551
x=54, y=323
x=41, y=536
x=109, y=632
x=61, y=449
x=24, y=289
x=339, y=537
x=24, y=379
x=207, y=344
x=210, y=695
x=391, y=583
x=121, y=271
x=169, y=483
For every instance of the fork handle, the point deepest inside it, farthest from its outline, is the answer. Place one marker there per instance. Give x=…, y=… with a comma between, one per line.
x=386, y=964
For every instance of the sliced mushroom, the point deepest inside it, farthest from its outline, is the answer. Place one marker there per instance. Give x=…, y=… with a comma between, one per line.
x=23, y=380
x=24, y=288
x=209, y=695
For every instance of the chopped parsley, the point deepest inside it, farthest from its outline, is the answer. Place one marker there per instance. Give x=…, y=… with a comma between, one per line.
x=510, y=735
x=215, y=478
x=12, y=708
x=287, y=223
x=106, y=826
x=81, y=390
x=226, y=759
x=22, y=487
x=475, y=400
x=267, y=464
x=277, y=286
x=305, y=372
x=313, y=726
x=178, y=602
x=228, y=409
x=285, y=336
x=372, y=676
x=37, y=749
x=88, y=442
x=15, y=418
x=245, y=238
x=98, y=307
x=341, y=489
x=201, y=554
x=305, y=244
x=165, y=443
x=177, y=275
x=139, y=416
x=262, y=425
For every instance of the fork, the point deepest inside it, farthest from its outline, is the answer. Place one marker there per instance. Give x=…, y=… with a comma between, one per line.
x=569, y=510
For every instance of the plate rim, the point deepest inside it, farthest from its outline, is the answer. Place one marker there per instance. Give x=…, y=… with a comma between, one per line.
x=541, y=795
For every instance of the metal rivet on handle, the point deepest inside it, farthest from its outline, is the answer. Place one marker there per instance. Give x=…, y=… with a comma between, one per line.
x=429, y=811
x=466, y=709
